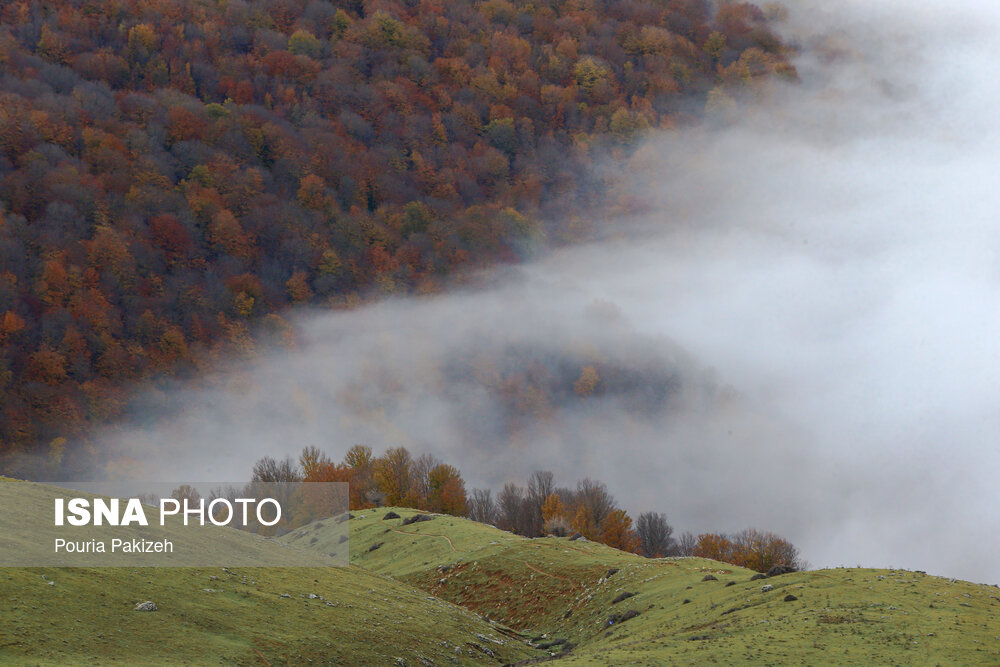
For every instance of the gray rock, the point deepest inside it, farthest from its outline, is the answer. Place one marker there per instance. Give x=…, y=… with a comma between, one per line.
x=710, y=577
x=766, y=587
x=148, y=605
x=416, y=518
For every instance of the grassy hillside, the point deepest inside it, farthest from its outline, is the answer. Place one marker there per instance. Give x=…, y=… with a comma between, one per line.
x=555, y=589
x=401, y=602
x=194, y=545
x=256, y=616
x=86, y=617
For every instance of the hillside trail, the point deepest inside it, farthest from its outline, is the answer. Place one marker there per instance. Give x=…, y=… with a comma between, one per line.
x=554, y=576
x=404, y=532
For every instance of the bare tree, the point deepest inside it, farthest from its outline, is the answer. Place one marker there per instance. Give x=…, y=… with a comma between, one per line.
x=269, y=470
x=186, y=492
x=593, y=496
x=655, y=535
x=540, y=485
x=420, y=476
x=567, y=497
x=482, y=507
x=686, y=544
x=511, y=506
x=274, y=479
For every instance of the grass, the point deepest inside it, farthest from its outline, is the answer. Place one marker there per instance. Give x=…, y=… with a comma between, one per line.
x=449, y=591
x=27, y=534
x=557, y=589
x=232, y=616
x=87, y=618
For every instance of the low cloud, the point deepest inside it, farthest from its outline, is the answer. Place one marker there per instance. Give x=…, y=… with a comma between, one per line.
x=801, y=333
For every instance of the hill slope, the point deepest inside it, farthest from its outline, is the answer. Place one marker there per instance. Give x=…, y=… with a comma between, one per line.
x=233, y=616
x=404, y=598
x=565, y=590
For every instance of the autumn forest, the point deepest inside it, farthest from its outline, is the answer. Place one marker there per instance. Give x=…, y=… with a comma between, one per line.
x=175, y=174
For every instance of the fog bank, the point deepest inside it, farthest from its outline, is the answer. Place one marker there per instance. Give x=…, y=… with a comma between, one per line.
x=801, y=335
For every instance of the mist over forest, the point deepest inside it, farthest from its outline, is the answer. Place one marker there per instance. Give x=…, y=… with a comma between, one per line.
x=796, y=331
x=748, y=282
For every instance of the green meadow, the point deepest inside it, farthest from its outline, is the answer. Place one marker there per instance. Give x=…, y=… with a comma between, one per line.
x=448, y=591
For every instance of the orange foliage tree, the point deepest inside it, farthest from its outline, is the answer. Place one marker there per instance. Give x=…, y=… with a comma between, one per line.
x=616, y=531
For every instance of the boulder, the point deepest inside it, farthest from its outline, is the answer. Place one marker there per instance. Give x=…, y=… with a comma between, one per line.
x=780, y=569
x=148, y=605
x=710, y=577
x=766, y=588
x=390, y=515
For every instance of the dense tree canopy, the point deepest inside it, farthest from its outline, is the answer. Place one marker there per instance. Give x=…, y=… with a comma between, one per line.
x=175, y=172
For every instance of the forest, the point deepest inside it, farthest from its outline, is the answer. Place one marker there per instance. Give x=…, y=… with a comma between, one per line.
x=176, y=174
